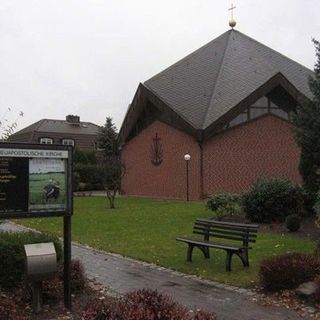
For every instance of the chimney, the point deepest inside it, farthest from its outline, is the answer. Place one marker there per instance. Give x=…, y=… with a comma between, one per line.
x=75, y=120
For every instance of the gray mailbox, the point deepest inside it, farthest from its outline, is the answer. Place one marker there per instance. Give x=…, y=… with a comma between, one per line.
x=41, y=261
x=41, y=264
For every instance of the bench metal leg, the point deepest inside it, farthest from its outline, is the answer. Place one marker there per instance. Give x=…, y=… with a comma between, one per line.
x=243, y=255
x=228, y=260
x=189, y=252
x=205, y=251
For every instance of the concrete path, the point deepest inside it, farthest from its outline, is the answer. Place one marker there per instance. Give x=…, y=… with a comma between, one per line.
x=123, y=275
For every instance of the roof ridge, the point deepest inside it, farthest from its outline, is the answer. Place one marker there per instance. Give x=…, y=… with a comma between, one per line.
x=273, y=50
x=186, y=57
x=217, y=81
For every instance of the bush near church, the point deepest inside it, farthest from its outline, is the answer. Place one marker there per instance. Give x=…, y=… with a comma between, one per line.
x=270, y=200
x=293, y=222
x=288, y=271
x=87, y=174
x=224, y=204
x=12, y=254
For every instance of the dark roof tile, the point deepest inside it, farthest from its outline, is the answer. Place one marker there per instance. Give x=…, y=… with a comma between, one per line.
x=206, y=84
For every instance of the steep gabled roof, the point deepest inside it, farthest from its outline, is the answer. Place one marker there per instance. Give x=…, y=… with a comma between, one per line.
x=211, y=81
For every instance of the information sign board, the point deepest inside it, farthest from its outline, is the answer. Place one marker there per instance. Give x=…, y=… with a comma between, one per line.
x=35, y=180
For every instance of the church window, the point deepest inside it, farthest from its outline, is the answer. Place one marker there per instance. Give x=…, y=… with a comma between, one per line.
x=261, y=107
x=274, y=109
x=280, y=113
x=262, y=102
x=241, y=118
x=257, y=112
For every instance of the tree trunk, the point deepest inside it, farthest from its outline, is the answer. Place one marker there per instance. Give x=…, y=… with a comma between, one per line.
x=111, y=198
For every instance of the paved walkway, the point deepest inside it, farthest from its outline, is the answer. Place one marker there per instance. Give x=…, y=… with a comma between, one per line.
x=123, y=275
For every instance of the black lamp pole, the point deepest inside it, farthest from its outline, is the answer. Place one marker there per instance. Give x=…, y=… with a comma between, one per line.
x=187, y=157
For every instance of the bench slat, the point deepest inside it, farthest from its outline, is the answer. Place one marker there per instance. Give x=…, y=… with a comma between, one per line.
x=212, y=232
x=203, y=224
x=214, y=235
x=235, y=224
x=212, y=244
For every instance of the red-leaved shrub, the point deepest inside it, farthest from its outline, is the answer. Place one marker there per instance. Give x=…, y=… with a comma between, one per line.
x=9, y=310
x=288, y=271
x=53, y=288
x=317, y=294
x=143, y=304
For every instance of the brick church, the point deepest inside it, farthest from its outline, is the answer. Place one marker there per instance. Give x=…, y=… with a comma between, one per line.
x=228, y=106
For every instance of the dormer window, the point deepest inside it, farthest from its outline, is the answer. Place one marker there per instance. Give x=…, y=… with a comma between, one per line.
x=46, y=140
x=68, y=142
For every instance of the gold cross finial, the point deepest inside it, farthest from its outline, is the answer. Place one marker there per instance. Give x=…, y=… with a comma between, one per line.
x=232, y=22
x=231, y=9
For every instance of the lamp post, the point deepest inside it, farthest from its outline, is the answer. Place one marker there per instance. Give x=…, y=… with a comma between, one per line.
x=187, y=158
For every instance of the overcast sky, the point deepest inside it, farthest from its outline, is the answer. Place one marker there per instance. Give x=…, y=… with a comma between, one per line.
x=87, y=57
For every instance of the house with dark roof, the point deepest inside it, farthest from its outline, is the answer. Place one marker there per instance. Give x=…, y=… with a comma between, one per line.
x=228, y=106
x=71, y=131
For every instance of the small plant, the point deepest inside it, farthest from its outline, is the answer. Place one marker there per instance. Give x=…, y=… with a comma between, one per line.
x=293, y=222
x=12, y=255
x=224, y=204
x=271, y=200
x=288, y=271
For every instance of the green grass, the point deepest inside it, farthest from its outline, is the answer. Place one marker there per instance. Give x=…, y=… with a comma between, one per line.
x=146, y=230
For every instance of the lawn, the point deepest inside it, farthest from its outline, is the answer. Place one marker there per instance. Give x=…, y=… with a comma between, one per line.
x=146, y=230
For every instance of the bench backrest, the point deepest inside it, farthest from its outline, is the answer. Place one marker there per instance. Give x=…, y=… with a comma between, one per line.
x=226, y=230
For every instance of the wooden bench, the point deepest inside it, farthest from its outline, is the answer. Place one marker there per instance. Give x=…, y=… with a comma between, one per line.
x=240, y=234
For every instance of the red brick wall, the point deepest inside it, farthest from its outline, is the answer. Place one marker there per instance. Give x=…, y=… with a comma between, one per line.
x=234, y=159
x=167, y=180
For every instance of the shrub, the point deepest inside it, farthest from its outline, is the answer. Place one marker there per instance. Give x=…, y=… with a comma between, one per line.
x=78, y=279
x=272, y=200
x=9, y=310
x=288, y=271
x=293, y=222
x=90, y=176
x=12, y=254
x=84, y=156
x=148, y=304
x=143, y=304
x=317, y=294
x=316, y=209
x=224, y=204
x=53, y=288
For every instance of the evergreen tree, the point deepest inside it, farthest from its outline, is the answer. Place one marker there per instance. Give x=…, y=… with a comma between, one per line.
x=110, y=164
x=307, y=122
x=107, y=139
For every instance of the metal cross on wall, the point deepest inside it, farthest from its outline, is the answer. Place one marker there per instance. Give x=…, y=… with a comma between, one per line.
x=156, y=151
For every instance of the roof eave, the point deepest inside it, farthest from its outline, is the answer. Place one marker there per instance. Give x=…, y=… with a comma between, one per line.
x=141, y=97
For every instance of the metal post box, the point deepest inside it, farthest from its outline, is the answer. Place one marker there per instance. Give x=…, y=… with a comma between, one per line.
x=41, y=261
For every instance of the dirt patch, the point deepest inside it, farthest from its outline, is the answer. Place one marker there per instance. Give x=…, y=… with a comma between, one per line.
x=308, y=229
